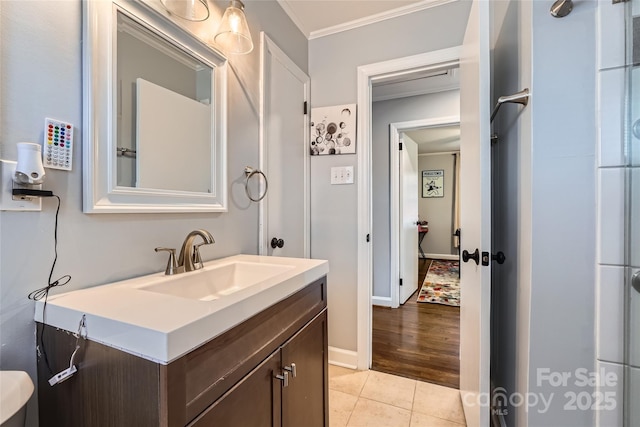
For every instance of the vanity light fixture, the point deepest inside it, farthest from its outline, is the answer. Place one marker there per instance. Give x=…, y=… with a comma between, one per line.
x=233, y=34
x=191, y=10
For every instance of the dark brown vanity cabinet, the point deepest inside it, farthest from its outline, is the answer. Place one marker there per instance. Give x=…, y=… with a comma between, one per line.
x=270, y=370
x=287, y=389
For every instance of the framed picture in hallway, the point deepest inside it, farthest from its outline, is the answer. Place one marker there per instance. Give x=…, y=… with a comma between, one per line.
x=433, y=183
x=333, y=130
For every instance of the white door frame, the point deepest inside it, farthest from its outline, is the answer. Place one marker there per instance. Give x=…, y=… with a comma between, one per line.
x=367, y=74
x=268, y=46
x=394, y=172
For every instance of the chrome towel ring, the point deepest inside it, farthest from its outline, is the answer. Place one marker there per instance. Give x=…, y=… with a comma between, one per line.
x=249, y=172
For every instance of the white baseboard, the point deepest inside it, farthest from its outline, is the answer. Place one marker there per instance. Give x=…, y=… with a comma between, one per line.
x=344, y=358
x=382, y=301
x=442, y=256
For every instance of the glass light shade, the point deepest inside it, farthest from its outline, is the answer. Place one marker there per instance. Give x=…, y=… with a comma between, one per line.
x=191, y=10
x=233, y=34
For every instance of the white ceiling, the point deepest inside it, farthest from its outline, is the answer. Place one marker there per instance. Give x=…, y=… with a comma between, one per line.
x=317, y=18
x=436, y=139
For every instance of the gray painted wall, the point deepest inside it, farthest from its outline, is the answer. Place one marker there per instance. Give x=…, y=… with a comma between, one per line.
x=384, y=113
x=438, y=210
x=96, y=249
x=333, y=61
x=510, y=334
x=545, y=206
x=563, y=220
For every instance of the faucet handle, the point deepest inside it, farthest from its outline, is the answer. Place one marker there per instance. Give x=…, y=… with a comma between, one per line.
x=197, y=259
x=172, y=265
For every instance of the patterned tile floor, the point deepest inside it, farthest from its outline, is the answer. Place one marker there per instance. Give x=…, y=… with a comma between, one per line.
x=371, y=398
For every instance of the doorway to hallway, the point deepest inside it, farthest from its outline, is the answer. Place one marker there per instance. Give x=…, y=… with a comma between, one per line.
x=475, y=219
x=414, y=137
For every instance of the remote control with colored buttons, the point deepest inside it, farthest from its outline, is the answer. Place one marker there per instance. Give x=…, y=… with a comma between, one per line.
x=57, y=150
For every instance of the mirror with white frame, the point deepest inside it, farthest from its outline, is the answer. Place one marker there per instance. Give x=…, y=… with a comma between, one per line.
x=154, y=114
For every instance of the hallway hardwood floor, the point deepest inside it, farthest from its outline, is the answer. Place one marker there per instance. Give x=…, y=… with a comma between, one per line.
x=420, y=341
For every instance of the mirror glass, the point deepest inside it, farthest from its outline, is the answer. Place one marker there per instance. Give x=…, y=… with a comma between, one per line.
x=154, y=115
x=164, y=112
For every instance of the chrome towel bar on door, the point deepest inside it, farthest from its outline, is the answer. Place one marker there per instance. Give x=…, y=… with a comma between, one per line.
x=249, y=172
x=521, y=97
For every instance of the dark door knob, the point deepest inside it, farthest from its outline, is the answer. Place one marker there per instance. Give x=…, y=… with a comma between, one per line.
x=497, y=257
x=466, y=256
x=277, y=243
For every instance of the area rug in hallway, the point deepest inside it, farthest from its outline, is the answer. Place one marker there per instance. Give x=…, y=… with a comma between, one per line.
x=441, y=284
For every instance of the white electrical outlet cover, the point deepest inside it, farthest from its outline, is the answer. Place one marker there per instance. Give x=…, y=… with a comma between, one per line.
x=7, y=203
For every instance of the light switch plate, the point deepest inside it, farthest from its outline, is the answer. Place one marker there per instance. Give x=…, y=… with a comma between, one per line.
x=348, y=175
x=342, y=175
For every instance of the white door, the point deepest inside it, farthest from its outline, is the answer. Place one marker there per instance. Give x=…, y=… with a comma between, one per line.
x=284, y=213
x=408, y=218
x=475, y=215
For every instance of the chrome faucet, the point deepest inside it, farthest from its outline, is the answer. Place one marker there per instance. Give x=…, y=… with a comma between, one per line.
x=189, y=258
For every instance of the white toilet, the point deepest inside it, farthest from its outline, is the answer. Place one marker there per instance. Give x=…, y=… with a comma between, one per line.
x=16, y=389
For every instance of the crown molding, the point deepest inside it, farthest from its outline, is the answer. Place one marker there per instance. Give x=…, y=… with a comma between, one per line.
x=372, y=19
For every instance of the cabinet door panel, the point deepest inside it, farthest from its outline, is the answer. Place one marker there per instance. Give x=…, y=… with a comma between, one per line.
x=253, y=402
x=305, y=400
x=212, y=369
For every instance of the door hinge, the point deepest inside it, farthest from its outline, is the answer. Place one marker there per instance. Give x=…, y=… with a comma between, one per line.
x=400, y=146
x=304, y=108
x=368, y=238
x=400, y=281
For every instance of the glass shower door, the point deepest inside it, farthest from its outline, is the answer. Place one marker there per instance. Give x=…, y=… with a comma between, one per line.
x=632, y=222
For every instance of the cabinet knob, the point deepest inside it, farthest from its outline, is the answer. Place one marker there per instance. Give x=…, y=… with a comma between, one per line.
x=284, y=378
x=291, y=368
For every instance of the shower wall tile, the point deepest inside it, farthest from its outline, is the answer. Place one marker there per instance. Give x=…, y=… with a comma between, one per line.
x=610, y=314
x=611, y=35
x=634, y=392
x=610, y=223
x=610, y=412
x=611, y=98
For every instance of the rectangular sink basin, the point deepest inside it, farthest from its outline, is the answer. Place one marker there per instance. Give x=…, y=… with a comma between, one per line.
x=210, y=284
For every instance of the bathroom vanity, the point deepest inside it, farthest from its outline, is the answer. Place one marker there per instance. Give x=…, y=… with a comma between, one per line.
x=267, y=366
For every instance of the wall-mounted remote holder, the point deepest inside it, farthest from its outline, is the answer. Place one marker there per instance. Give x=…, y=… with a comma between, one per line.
x=57, y=147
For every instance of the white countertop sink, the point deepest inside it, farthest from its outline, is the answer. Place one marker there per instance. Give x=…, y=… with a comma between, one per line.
x=218, y=280
x=161, y=317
